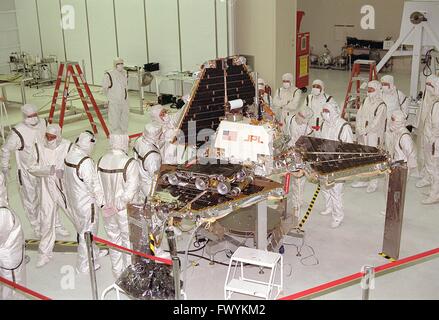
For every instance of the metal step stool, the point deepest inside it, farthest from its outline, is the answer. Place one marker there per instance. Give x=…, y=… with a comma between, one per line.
x=252, y=287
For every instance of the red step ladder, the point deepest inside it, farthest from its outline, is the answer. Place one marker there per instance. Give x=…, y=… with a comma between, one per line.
x=73, y=71
x=353, y=99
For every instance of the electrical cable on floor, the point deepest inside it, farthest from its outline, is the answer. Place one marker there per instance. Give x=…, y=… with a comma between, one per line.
x=186, y=259
x=312, y=255
x=299, y=253
x=191, y=251
x=207, y=259
x=201, y=248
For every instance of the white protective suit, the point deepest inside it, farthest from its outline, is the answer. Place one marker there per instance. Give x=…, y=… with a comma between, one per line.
x=423, y=113
x=84, y=194
x=316, y=100
x=12, y=265
x=21, y=140
x=147, y=154
x=371, y=124
x=115, y=87
x=395, y=99
x=399, y=144
x=286, y=100
x=431, y=146
x=298, y=125
x=169, y=147
x=337, y=129
x=266, y=96
x=119, y=175
x=48, y=167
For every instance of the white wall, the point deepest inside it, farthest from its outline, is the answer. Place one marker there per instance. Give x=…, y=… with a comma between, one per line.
x=131, y=31
x=77, y=45
x=179, y=34
x=9, y=41
x=29, y=31
x=266, y=30
x=102, y=37
x=52, y=38
x=163, y=36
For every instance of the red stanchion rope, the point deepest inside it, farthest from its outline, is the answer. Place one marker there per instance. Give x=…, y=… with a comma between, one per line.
x=108, y=243
x=359, y=275
x=23, y=289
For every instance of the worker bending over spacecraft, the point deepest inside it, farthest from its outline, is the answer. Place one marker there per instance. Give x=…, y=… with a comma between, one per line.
x=147, y=153
x=264, y=92
x=168, y=142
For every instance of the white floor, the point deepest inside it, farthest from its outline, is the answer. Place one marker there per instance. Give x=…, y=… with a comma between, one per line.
x=339, y=252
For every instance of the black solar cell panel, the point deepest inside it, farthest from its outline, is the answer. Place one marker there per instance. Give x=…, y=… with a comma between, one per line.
x=207, y=104
x=327, y=156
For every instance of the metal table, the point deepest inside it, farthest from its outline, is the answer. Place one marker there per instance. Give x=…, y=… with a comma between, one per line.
x=176, y=77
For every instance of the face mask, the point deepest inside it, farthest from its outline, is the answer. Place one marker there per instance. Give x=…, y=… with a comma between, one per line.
x=326, y=116
x=31, y=121
x=119, y=67
x=387, y=89
x=372, y=95
x=286, y=85
x=52, y=144
x=316, y=91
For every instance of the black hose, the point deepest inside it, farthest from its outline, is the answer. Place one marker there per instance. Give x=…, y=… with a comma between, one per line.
x=427, y=64
x=191, y=251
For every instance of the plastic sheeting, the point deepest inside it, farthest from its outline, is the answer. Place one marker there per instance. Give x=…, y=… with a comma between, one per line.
x=148, y=281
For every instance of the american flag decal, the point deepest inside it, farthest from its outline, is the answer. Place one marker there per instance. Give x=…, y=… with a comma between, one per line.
x=230, y=135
